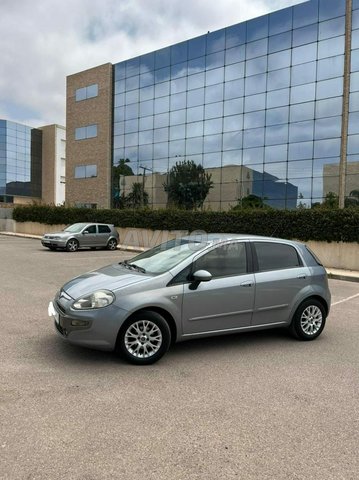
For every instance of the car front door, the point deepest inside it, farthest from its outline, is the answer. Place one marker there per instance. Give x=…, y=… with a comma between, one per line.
x=89, y=236
x=226, y=301
x=280, y=277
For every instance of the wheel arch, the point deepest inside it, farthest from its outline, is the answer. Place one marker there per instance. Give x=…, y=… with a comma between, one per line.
x=318, y=298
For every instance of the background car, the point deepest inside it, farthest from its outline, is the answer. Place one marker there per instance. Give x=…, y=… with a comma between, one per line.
x=190, y=288
x=80, y=235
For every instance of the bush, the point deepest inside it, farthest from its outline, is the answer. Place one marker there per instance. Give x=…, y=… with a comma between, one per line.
x=330, y=225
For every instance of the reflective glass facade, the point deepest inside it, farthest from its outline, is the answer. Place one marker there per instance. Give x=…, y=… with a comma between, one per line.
x=20, y=161
x=259, y=105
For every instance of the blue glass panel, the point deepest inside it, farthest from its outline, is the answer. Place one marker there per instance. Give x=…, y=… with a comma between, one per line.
x=131, y=126
x=214, y=93
x=277, y=170
x=355, y=60
x=177, y=149
x=215, y=41
x=232, y=140
x=329, y=128
x=178, y=53
x=301, y=112
x=304, y=35
x=234, y=89
x=279, y=60
x=301, y=131
x=354, y=102
x=196, y=113
x=278, y=98
x=255, y=66
x=147, y=62
x=280, y=21
x=131, y=139
x=178, y=101
x=145, y=137
x=300, y=151
x=119, y=86
x=331, y=8
x=146, y=108
x=179, y=70
x=179, y=85
x=160, y=135
x=278, y=79
x=80, y=94
x=254, y=119
x=236, y=35
x=253, y=156
x=257, y=28
x=162, y=120
x=330, y=68
x=212, y=143
x=353, y=123
x=215, y=110
x=197, y=47
x=162, y=57
x=194, y=145
x=120, y=99
x=276, y=135
x=280, y=42
x=132, y=96
x=236, y=54
x=213, y=126
x=326, y=148
x=257, y=48
x=132, y=82
x=329, y=88
x=303, y=93
x=233, y=107
x=329, y=107
x=160, y=150
x=253, y=138
x=353, y=144
x=305, y=14
x=133, y=67
x=196, y=81
x=354, y=82
x=355, y=20
x=306, y=53
x=177, y=132
x=331, y=47
x=277, y=153
x=214, y=76
x=162, y=105
x=332, y=28
x=256, y=84
x=120, y=71
x=162, y=89
x=196, y=65
x=147, y=79
x=162, y=74
x=300, y=168
x=147, y=93
x=215, y=60
x=234, y=122
x=255, y=102
x=276, y=116
x=119, y=128
x=195, y=97
x=234, y=71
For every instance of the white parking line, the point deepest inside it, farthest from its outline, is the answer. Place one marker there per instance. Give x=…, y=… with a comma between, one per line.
x=345, y=300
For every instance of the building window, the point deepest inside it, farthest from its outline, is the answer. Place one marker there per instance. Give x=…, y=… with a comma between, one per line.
x=84, y=93
x=86, y=171
x=90, y=131
x=85, y=205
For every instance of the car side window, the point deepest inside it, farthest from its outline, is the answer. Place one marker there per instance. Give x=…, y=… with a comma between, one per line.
x=104, y=229
x=276, y=256
x=223, y=261
x=91, y=228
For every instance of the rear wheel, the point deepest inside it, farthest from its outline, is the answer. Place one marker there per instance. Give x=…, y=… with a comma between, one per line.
x=309, y=320
x=72, y=245
x=144, y=339
x=112, y=244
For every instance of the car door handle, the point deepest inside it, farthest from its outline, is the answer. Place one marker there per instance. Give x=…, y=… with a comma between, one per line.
x=301, y=276
x=247, y=284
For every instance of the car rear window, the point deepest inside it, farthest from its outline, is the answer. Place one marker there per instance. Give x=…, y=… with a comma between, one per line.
x=276, y=256
x=104, y=229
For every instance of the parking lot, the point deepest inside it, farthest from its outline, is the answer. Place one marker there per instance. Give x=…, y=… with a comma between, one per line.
x=251, y=406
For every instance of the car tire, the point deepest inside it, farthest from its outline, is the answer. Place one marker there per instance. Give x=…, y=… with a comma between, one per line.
x=309, y=320
x=72, y=245
x=144, y=338
x=112, y=244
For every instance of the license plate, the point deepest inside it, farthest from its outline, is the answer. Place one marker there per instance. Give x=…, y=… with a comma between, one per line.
x=53, y=313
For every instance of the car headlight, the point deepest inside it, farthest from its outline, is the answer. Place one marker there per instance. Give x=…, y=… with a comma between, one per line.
x=99, y=299
x=56, y=238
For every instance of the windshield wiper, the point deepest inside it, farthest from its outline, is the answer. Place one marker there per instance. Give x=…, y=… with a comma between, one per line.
x=132, y=266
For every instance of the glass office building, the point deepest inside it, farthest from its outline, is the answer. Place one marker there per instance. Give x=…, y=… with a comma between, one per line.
x=20, y=161
x=268, y=107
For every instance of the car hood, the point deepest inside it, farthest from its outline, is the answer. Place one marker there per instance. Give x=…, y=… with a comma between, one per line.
x=56, y=234
x=111, y=277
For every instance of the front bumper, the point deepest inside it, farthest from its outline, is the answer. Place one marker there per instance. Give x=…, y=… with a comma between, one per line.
x=53, y=243
x=97, y=328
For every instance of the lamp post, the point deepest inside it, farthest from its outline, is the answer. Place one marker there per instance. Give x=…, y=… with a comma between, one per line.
x=143, y=182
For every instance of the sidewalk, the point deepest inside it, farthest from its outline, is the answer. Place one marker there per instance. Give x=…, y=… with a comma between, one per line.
x=334, y=273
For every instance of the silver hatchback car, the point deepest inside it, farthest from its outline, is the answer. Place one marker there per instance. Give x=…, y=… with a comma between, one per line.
x=80, y=235
x=194, y=287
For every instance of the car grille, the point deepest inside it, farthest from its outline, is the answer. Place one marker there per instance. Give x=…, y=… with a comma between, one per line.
x=60, y=307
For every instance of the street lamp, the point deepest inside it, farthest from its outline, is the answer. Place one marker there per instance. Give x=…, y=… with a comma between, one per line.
x=143, y=182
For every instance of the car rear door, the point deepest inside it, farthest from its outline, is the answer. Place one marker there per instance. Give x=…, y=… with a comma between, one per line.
x=226, y=301
x=104, y=232
x=280, y=276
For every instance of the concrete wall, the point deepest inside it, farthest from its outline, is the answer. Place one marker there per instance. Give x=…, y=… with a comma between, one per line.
x=333, y=255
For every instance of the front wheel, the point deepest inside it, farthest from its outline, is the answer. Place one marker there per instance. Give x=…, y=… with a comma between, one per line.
x=144, y=339
x=112, y=244
x=72, y=245
x=309, y=320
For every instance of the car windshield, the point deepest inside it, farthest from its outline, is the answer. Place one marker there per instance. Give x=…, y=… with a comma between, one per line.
x=163, y=257
x=75, y=228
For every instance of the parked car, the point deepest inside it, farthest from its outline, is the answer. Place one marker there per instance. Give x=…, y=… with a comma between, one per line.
x=80, y=235
x=191, y=288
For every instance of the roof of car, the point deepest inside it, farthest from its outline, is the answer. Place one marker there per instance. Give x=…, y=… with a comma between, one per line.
x=222, y=237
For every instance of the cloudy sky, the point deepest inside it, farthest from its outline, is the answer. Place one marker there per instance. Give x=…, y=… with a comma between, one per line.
x=43, y=41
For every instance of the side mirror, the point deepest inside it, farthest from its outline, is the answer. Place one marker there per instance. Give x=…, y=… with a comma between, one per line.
x=202, y=276
x=85, y=232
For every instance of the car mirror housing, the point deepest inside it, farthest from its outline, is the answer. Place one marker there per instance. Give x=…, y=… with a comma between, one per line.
x=202, y=276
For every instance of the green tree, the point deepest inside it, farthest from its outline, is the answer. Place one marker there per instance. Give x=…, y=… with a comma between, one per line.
x=251, y=201
x=137, y=198
x=187, y=185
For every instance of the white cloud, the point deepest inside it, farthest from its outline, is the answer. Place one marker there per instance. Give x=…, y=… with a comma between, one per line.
x=44, y=41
